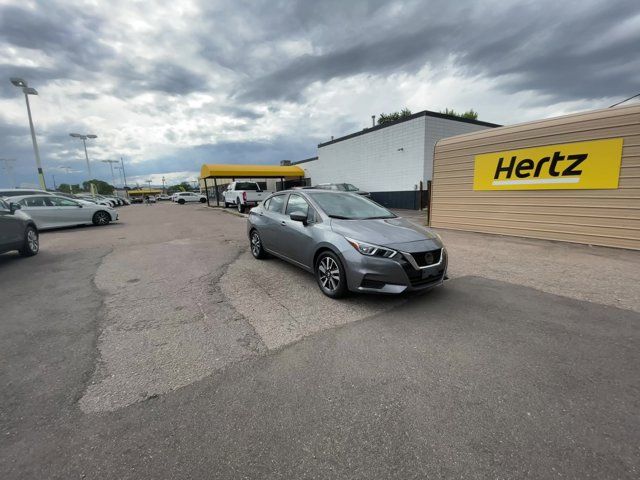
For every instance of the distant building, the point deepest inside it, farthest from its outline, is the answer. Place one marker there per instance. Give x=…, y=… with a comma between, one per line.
x=389, y=160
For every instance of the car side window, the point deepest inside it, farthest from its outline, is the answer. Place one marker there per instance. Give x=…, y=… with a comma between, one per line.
x=33, y=202
x=276, y=203
x=3, y=205
x=266, y=203
x=297, y=204
x=62, y=202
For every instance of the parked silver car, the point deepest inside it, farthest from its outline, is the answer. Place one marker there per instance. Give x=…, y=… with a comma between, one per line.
x=53, y=211
x=348, y=241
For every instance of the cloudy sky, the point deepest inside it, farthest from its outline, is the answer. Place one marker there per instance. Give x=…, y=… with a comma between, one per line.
x=171, y=85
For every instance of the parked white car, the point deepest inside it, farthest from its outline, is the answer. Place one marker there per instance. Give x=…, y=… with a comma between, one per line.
x=184, y=197
x=52, y=211
x=244, y=194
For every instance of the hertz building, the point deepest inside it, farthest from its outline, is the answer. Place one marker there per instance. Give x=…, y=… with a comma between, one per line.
x=574, y=178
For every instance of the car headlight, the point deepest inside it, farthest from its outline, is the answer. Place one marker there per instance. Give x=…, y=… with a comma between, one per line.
x=371, y=250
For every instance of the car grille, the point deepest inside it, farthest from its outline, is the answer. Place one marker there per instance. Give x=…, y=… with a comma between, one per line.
x=418, y=281
x=424, y=259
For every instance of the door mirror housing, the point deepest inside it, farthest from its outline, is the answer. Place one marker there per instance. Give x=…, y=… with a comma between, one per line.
x=13, y=207
x=298, y=217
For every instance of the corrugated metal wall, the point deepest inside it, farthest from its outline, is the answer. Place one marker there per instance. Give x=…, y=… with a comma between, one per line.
x=598, y=217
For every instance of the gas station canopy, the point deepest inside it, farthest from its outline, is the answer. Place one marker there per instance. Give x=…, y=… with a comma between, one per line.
x=249, y=171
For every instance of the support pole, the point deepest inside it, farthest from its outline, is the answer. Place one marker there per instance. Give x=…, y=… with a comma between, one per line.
x=215, y=184
x=206, y=191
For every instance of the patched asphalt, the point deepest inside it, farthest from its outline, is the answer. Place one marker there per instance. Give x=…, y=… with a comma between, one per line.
x=479, y=379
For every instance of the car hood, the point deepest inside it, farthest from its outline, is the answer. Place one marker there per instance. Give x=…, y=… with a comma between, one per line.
x=397, y=233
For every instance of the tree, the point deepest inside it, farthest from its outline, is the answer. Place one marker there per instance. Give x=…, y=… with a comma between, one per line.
x=66, y=188
x=471, y=114
x=180, y=187
x=393, y=117
x=103, y=188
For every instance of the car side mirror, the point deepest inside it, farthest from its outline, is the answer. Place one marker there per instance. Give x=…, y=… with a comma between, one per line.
x=13, y=207
x=298, y=217
x=79, y=206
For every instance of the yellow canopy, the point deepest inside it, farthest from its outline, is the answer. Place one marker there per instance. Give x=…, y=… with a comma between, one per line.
x=249, y=171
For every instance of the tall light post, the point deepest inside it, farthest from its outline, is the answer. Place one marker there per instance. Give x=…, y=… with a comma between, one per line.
x=68, y=170
x=124, y=175
x=163, y=191
x=113, y=177
x=7, y=164
x=120, y=174
x=86, y=155
x=27, y=90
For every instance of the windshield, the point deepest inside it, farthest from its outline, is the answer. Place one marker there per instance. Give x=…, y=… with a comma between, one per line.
x=350, y=207
x=350, y=188
x=246, y=186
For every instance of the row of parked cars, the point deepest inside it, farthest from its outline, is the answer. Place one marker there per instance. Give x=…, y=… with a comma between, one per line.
x=24, y=212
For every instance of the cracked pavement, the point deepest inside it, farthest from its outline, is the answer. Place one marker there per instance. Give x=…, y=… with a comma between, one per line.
x=157, y=347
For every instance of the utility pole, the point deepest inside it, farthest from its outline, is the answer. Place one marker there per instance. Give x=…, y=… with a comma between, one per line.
x=55, y=187
x=163, y=190
x=7, y=165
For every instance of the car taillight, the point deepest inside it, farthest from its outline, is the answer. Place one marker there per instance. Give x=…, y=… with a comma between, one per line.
x=244, y=196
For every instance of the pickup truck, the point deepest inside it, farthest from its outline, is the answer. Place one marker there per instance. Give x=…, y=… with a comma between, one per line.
x=243, y=194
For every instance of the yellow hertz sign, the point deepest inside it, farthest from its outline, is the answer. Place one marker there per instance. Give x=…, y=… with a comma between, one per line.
x=580, y=165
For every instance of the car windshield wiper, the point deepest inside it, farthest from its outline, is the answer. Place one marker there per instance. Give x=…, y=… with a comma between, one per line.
x=340, y=217
x=376, y=218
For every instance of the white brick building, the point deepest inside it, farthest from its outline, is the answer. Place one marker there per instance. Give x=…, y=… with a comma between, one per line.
x=388, y=160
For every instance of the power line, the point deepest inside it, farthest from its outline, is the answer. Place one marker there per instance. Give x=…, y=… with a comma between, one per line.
x=625, y=100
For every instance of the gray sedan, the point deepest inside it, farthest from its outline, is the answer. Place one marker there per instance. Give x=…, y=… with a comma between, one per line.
x=347, y=241
x=52, y=211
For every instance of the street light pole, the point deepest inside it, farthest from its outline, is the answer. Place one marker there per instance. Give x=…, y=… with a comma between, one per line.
x=8, y=166
x=113, y=178
x=124, y=175
x=19, y=82
x=86, y=155
x=163, y=191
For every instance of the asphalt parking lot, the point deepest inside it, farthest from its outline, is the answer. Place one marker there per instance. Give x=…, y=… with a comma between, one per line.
x=157, y=347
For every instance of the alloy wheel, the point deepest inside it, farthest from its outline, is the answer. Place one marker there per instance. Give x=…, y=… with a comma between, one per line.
x=329, y=274
x=32, y=240
x=256, y=245
x=102, y=218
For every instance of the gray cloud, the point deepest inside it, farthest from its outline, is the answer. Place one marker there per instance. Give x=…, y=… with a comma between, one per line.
x=254, y=61
x=539, y=45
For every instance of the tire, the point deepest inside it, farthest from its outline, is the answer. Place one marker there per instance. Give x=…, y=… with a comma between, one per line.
x=330, y=275
x=239, y=205
x=226, y=205
x=101, y=218
x=31, y=244
x=181, y=201
x=203, y=200
x=255, y=243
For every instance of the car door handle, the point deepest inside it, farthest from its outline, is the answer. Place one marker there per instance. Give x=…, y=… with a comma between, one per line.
x=283, y=223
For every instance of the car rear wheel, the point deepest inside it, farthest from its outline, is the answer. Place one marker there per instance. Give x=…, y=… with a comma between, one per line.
x=239, y=205
x=31, y=242
x=203, y=200
x=101, y=218
x=330, y=275
x=257, y=250
x=181, y=201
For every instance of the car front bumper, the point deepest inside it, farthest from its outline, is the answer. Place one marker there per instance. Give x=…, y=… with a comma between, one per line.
x=395, y=275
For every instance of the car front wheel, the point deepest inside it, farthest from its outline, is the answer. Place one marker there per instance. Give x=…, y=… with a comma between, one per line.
x=31, y=244
x=257, y=250
x=181, y=201
x=101, y=218
x=330, y=275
